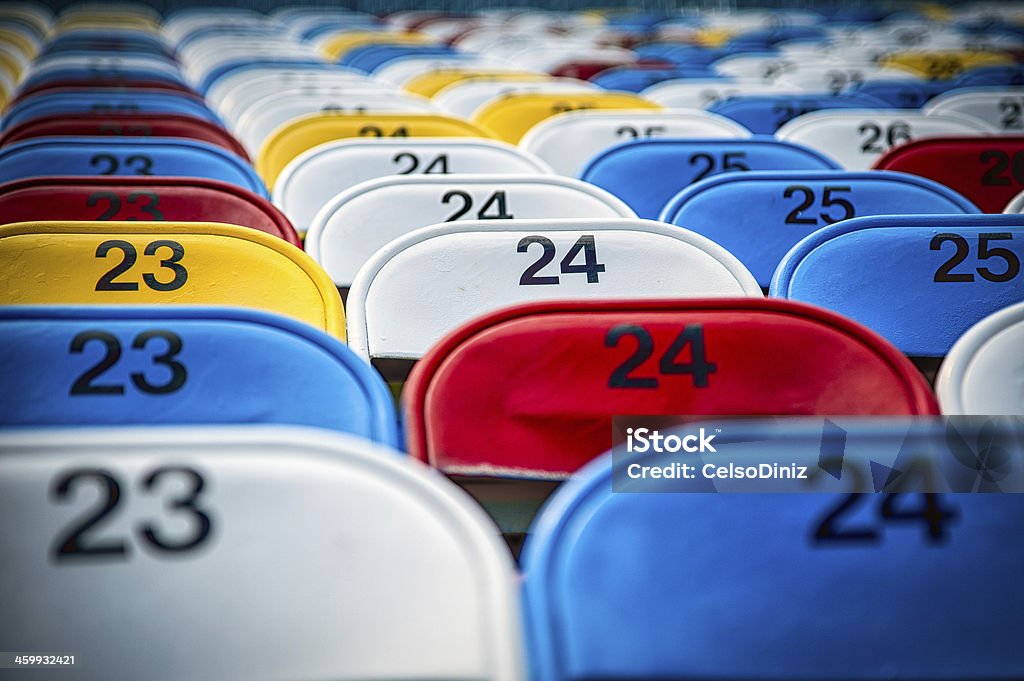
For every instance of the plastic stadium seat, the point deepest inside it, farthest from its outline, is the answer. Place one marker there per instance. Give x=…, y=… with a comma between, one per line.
x=567, y=368
x=105, y=156
x=313, y=178
x=904, y=93
x=466, y=96
x=1002, y=108
x=982, y=373
x=944, y=64
x=302, y=134
x=760, y=216
x=183, y=365
x=81, y=83
x=124, y=125
x=360, y=221
x=920, y=281
x=700, y=93
x=764, y=114
x=141, y=198
x=447, y=274
x=783, y=576
x=987, y=170
x=237, y=528
x=646, y=174
x=569, y=140
x=140, y=263
x=510, y=117
x=836, y=78
x=430, y=83
x=88, y=100
x=235, y=93
x=857, y=139
x=336, y=46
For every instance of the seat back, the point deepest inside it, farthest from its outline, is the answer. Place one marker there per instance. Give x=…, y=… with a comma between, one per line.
x=102, y=100
x=1002, y=108
x=764, y=114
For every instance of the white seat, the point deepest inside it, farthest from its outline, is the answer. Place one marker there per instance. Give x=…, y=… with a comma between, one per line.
x=464, y=97
x=700, y=93
x=983, y=373
x=835, y=78
x=423, y=285
x=569, y=140
x=315, y=177
x=360, y=221
x=401, y=71
x=263, y=554
x=235, y=91
x=856, y=139
x=1016, y=204
x=1000, y=107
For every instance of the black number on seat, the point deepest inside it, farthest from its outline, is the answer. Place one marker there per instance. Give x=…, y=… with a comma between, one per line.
x=995, y=175
x=894, y=134
x=586, y=243
x=497, y=200
x=171, y=263
x=107, y=283
x=74, y=543
x=113, y=202
x=732, y=160
x=84, y=384
x=529, y=277
x=1010, y=109
x=438, y=166
x=828, y=199
x=203, y=525
x=692, y=336
x=963, y=249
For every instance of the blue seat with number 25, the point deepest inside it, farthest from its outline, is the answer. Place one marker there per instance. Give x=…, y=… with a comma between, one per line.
x=764, y=114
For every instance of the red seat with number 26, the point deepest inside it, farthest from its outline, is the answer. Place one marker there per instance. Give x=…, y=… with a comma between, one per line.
x=530, y=390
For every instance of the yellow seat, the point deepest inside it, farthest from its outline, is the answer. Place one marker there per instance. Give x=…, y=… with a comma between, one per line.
x=20, y=42
x=145, y=263
x=100, y=20
x=335, y=47
x=509, y=117
x=304, y=133
x=430, y=83
x=942, y=65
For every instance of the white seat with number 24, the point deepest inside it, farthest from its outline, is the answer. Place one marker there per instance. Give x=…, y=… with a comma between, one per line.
x=360, y=221
x=250, y=553
x=423, y=285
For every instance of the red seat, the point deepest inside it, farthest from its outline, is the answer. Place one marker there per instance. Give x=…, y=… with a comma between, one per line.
x=148, y=198
x=987, y=170
x=100, y=82
x=530, y=391
x=124, y=124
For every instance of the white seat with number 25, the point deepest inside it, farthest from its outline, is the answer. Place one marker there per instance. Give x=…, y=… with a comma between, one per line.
x=360, y=221
x=315, y=177
x=251, y=553
x=423, y=285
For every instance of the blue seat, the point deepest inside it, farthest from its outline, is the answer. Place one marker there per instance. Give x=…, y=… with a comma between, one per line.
x=903, y=93
x=183, y=365
x=106, y=99
x=165, y=156
x=991, y=75
x=738, y=586
x=760, y=216
x=369, y=58
x=683, y=55
x=764, y=114
x=91, y=40
x=919, y=281
x=222, y=70
x=647, y=173
x=86, y=74
x=636, y=79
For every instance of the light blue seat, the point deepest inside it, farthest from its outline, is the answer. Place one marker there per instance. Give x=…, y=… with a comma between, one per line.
x=246, y=63
x=764, y=114
x=692, y=584
x=760, y=216
x=166, y=156
x=991, y=75
x=369, y=58
x=682, y=55
x=90, y=40
x=647, y=173
x=919, y=281
x=636, y=79
x=88, y=365
x=903, y=93
x=91, y=101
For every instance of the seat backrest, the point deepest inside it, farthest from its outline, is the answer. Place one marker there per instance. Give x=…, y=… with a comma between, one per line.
x=536, y=412
x=646, y=174
x=314, y=178
x=567, y=141
x=1000, y=107
x=123, y=365
x=360, y=221
x=90, y=100
x=983, y=373
x=764, y=114
x=304, y=133
x=464, y=97
x=421, y=286
x=305, y=554
x=645, y=585
x=700, y=93
x=165, y=156
x=760, y=216
x=154, y=199
x=857, y=139
x=919, y=281
x=987, y=170
x=139, y=263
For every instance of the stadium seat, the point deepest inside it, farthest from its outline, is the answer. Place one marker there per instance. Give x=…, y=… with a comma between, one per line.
x=987, y=170
x=781, y=576
x=464, y=97
x=567, y=141
x=1001, y=108
x=944, y=64
x=313, y=178
x=153, y=199
x=919, y=281
x=163, y=156
x=360, y=221
x=857, y=139
x=538, y=413
x=510, y=117
x=305, y=554
x=233, y=93
x=109, y=100
x=302, y=134
x=760, y=216
x=430, y=83
x=140, y=263
x=982, y=373
x=91, y=366
x=764, y=114
x=447, y=274
x=646, y=174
